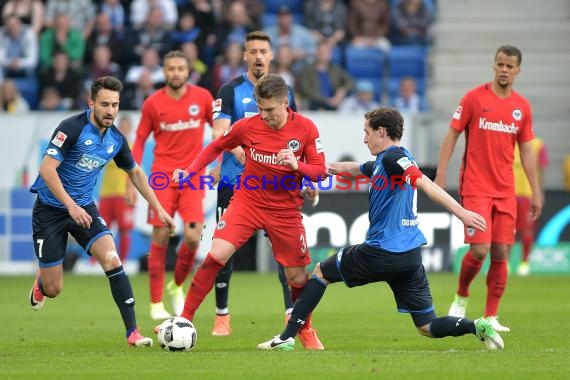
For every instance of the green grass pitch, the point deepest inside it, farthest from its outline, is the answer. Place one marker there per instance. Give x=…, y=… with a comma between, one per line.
x=79, y=335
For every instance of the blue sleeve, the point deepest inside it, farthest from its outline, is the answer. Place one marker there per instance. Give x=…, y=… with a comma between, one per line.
x=367, y=168
x=396, y=162
x=224, y=103
x=64, y=138
x=124, y=159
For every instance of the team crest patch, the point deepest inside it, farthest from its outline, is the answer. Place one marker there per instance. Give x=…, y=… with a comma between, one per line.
x=193, y=110
x=294, y=145
x=110, y=148
x=221, y=225
x=470, y=231
x=457, y=113
x=517, y=115
x=59, y=139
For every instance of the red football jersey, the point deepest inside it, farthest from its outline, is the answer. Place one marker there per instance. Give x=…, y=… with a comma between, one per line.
x=264, y=181
x=177, y=126
x=492, y=127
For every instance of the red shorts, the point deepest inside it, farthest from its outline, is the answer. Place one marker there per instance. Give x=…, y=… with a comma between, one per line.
x=284, y=229
x=116, y=210
x=189, y=204
x=524, y=217
x=500, y=214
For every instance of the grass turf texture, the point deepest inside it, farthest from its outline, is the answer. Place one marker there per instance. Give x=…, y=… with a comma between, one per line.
x=79, y=335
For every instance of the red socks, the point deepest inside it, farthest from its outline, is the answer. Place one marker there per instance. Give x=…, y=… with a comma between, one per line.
x=156, y=271
x=469, y=269
x=496, y=283
x=202, y=283
x=184, y=263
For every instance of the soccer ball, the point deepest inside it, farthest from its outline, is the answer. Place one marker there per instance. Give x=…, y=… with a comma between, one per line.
x=177, y=334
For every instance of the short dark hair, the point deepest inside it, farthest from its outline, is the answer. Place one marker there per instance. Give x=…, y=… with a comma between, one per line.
x=175, y=54
x=510, y=50
x=108, y=83
x=271, y=86
x=386, y=117
x=257, y=35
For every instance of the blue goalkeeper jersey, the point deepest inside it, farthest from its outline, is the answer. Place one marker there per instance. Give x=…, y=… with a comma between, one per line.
x=82, y=153
x=235, y=101
x=393, y=213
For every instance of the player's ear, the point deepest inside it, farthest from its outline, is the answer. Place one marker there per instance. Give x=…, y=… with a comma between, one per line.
x=90, y=103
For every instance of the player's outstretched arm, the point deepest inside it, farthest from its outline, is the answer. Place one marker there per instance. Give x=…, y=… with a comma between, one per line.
x=48, y=171
x=441, y=197
x=347, y=168
x=207, y=155
x=140, y=182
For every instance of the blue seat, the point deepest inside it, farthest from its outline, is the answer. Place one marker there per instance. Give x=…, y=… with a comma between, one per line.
x=407, y=61
x=29, y=89
x=364, y=62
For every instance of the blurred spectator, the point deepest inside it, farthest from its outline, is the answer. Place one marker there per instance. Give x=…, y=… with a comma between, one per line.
x=411, y=20
x=186, y=29
x=255, y=10
x=104, y=34
x=324, y=85
x=362, y=101
x=50, y=100
x=326, y=19
x=235, y=26
x=81, y=14
x=282, y=65
x=205, y=20
x=369, y=23
x=230, y=65
x=115, y=11
x=12, y=101
x=300, y=38
x=135, y=94
x=18, y=48
x=408, y=100
x=30, y=12
x=141, y=9
x=199, y=73
x=151, y=63
x=61, y=37
x=66, y=79
x=103, y=65
x=152, y=34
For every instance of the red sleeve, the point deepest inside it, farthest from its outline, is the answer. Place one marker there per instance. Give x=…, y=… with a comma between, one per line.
x=143, y=131
x=206, y=156
x=314, y=165
x=228, y=141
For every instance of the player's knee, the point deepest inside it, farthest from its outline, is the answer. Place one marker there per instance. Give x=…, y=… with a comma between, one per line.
x=424, y=330
x=192, y=242
x=52, y=289
x=298, y=280
x=479, y=251
x=110, y=260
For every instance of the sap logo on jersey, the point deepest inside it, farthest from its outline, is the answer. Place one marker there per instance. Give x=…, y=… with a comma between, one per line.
x=88, y=163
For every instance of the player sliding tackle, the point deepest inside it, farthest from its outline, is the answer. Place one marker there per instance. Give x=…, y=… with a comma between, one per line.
x=294, y=141
x=392, y=250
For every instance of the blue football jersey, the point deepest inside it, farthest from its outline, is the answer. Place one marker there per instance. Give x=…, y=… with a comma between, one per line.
x=237, y=101
x=393, y=213
x=82, y=153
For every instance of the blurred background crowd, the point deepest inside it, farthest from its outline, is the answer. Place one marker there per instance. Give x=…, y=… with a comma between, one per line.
x=345, y=55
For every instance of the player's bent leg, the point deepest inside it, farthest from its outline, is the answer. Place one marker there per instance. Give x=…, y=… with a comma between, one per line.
x=487, y=334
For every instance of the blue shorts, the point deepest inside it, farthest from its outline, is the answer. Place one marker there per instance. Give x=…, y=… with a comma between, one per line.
x=358, y=265
x=51, y=226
